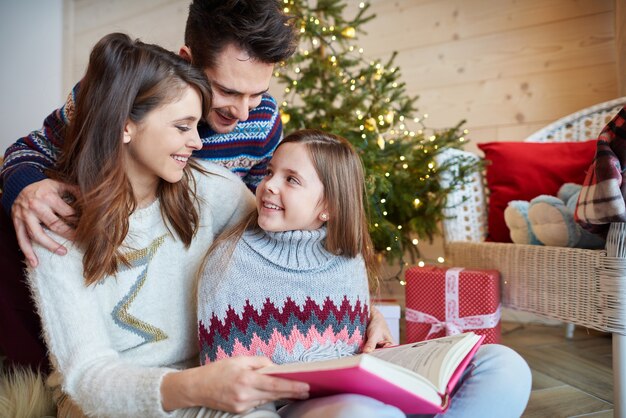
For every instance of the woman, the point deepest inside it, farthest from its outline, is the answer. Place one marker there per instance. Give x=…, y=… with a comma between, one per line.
x=116, y=310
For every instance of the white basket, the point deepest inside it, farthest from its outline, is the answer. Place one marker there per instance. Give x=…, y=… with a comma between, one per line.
x=582, y=287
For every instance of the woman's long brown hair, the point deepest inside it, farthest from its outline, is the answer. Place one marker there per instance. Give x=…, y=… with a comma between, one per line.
x=125, y=80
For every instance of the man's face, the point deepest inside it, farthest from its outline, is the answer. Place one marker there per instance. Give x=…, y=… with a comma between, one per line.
x=237, y=82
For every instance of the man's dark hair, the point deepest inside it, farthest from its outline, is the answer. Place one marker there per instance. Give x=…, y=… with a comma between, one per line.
x=258, y=27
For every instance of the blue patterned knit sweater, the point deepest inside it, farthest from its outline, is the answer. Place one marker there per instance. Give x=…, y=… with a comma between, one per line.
x=245, y=151
x=283, y=296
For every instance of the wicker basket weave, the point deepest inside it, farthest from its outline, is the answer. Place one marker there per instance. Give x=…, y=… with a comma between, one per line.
x=578, y=286
x=582, y=287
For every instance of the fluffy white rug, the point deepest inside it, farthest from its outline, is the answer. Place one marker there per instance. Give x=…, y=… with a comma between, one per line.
x=23, y=393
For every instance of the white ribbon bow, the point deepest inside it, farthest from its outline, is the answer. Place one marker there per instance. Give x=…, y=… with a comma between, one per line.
x=453, y=324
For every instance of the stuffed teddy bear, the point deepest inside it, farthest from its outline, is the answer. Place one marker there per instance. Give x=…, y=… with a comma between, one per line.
x=549, y=220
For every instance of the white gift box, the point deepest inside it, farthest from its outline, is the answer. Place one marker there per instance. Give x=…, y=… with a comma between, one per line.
x=391, y=312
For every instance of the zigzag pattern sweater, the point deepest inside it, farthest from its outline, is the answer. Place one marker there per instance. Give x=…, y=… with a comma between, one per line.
x=283, y=296
x=245, y=151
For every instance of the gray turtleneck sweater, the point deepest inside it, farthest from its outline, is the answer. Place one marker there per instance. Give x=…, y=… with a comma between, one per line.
x=283, y=296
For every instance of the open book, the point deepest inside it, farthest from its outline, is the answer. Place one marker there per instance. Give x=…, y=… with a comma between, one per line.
x=416, y=377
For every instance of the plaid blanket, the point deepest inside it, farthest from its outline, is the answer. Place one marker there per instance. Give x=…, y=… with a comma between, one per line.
x=602, y=197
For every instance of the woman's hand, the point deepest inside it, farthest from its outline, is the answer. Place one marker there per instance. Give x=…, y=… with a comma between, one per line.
x=378, y=334
x=231, y=385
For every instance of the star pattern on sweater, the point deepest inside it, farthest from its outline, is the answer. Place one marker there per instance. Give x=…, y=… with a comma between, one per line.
x=121, y=314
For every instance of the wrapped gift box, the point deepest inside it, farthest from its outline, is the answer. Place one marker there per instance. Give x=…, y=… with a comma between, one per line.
x=390, y=309
x=446, y=301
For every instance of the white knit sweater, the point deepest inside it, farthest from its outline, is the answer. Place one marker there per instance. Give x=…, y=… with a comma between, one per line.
x=112, y=343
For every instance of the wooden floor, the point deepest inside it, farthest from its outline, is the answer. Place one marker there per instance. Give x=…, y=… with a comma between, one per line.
x=571, y=378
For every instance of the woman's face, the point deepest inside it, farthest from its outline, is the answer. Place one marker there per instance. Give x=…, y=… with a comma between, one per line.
x=291, y=196
x=160, y=145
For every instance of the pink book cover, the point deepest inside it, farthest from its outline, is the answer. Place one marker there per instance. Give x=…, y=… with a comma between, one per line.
x=462, y=366
x=356, y=379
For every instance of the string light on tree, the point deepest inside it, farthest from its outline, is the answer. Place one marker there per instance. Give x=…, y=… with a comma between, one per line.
x=331, y=83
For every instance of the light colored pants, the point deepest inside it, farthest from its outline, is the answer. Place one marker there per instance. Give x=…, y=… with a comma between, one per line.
x=66, y=408
x=336, y=406
x=265, y=411
x=340, y=406
x=496, y=384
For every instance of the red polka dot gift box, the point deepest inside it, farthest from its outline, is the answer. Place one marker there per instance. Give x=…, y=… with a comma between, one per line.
x=448, y=301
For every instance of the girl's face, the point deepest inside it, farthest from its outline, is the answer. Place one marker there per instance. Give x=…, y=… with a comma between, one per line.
x=159, y=146
x=291, y=196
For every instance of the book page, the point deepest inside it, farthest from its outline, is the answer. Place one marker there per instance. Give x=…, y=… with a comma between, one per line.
x=427, y=358
x=411, y=376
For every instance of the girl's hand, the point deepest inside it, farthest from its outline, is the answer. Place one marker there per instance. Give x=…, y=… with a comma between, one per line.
x=231, y=385
x=378, y=334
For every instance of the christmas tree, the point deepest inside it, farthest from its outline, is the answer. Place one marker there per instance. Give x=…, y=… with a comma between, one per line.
x=328, y=84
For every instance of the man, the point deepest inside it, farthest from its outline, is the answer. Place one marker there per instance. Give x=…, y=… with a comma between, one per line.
x=237, y=43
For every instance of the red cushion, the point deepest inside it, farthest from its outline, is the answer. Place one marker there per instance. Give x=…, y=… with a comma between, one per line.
x=524, y=170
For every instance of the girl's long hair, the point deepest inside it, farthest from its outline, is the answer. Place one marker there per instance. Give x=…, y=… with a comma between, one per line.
x=341, y=172
x=125, y=80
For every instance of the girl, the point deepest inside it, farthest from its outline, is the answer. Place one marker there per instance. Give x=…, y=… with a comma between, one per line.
x=116, y=309
x=303, y=258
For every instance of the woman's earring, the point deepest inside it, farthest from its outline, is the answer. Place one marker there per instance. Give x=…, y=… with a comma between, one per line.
x=324, y=217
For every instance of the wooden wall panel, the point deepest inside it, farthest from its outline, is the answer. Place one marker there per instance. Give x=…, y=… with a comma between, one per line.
x=506, y=66
x=407, y=24
x=532, y=50
x=620, y=45
x=161, y=22
x=96, y=13
x=519, y=100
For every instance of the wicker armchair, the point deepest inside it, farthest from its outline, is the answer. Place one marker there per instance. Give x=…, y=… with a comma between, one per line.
x=581, y=287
